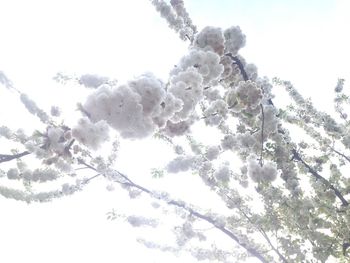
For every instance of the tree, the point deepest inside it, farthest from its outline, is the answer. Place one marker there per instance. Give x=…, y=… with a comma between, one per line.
x=288, y=202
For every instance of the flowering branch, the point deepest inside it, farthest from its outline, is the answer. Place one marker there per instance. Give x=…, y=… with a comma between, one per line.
x=296, y=156
x=128, y=182
x=262, y=232
x=210, y=220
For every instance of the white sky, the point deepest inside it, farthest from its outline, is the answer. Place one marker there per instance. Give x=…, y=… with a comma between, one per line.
x=303, y=41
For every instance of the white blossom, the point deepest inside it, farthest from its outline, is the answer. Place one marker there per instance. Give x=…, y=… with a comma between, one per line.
x=248, y=94
x=21, y=136
x=180, y=10
x=177, y=19
x=182, y=164
x=169, y=107
x=258, y=173
x=210, y=38
x=206, y=62
x=4, y=80
x=212, y=94
x=246, y=141
x=13, y=194
x=234, y=40
x=137, y=221
x=212, y=152
x=216, y=112
x=346, y=141
x=110, y=187
x=252, y=71
x=91, y=134
x=92, y=80
x=223, y=174
x=13, y=174
x=340, y=85
x=179, y=149
x=136, y=109
x=270, y=119
x=56, y=140
x=41, y=175
x=228, y=142
x=30, y=146
x=6, y=132
x=68, y=189
x=55, y=111
x=178, y=128
x=63, y=165
x=33, y=108
x=186, y=86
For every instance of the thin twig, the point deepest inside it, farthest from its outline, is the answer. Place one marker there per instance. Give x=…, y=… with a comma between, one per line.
x=91, y=178
x=341, y=154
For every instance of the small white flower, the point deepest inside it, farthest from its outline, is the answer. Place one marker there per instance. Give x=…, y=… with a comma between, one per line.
x=13, y=174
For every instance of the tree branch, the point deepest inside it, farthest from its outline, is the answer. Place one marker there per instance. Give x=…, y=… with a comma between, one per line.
x=10, y=157
x=213, y=222
x=240, y=66
x=297, y=157
x=210, y=220
x=341, y=154
x=262, y=232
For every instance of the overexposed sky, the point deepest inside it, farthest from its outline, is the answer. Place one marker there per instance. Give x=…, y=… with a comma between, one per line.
x=303, y=41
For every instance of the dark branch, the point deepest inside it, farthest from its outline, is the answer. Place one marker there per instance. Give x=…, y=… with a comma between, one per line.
x=341, y=154
x=297, y=157
x=130, y=183
x=10, y=157
x=210, y=220
x=240, y=66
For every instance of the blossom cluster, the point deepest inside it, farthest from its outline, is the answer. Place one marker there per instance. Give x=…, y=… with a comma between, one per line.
x=261, y=173
x=135, y=109
x=38, y=175
x=92, y=80
x=206, y=62
x=144, y=105
x=223, y=174
x=33, y=108
x=91, y=134
x=247, y=95
x=66, y=189
x=219, y=41
x=138, y=221
x=177, y=17
x=182, y=163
